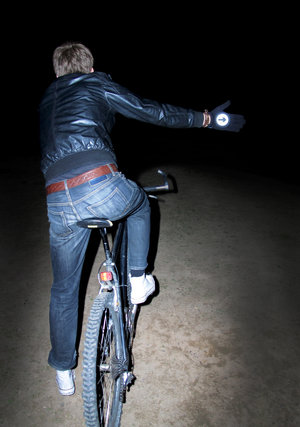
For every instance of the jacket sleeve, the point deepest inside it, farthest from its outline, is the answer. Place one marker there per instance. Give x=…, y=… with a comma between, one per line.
x=122, y=101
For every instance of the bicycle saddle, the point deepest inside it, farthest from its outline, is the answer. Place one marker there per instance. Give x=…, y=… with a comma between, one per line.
x=94, y=223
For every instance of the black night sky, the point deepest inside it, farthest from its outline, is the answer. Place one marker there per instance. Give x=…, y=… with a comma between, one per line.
x=193, y=58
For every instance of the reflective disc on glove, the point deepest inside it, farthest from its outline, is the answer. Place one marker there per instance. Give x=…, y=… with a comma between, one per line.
x=222, y=119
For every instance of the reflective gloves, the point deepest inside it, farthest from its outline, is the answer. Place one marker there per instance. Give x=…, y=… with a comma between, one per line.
x=220, y=120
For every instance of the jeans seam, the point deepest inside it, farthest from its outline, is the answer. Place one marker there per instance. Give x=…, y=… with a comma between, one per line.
x=71, y=202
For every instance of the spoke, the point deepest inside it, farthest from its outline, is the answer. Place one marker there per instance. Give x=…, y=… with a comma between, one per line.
x=106, y=384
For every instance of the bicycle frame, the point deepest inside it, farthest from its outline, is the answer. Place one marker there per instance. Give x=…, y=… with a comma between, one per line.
x=118, y=254
x=120, y=249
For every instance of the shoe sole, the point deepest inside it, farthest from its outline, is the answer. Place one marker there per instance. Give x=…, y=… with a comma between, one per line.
x=68, y=392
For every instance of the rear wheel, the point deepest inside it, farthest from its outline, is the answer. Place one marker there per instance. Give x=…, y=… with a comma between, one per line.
x=102, y=379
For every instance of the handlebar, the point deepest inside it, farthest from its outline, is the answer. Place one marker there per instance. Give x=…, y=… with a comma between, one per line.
x=159, y=188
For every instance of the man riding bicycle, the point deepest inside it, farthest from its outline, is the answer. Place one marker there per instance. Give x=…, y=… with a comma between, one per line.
x=77, y=114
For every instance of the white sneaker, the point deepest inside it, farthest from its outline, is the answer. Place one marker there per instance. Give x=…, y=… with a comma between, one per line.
x=141, y=288
x=65, y=382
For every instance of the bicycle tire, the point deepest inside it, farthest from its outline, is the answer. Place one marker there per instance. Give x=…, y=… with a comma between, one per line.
x=102, y=391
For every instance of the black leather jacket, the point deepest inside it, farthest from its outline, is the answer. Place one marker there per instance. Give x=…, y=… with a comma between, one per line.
x=77, y=114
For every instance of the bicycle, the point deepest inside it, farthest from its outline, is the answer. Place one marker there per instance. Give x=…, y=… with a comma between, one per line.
x=107, y=356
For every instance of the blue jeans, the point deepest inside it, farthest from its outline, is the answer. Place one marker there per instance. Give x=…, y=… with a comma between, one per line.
x=111, y=197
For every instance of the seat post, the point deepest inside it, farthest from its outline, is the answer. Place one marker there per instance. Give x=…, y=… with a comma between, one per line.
x=103, y=233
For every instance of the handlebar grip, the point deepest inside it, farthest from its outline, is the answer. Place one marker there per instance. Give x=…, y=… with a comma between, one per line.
x=158, y=188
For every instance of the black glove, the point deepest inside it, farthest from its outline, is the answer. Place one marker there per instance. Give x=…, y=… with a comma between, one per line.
x=225, y=121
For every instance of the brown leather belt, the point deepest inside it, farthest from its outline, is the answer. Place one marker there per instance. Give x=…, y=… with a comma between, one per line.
x=81, y=179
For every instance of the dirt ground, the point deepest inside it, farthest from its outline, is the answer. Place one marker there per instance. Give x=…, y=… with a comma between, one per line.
x=218, y=345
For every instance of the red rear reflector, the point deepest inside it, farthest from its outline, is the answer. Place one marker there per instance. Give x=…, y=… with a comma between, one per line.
x=106, y=276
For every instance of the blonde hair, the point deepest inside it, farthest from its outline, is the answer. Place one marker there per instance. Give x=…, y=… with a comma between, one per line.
x=72, y=57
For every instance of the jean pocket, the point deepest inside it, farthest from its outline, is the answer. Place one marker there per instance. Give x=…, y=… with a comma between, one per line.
x=114, y=205
x=58, y=224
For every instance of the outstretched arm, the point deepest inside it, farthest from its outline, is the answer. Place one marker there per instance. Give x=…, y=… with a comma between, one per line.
x=133, y=106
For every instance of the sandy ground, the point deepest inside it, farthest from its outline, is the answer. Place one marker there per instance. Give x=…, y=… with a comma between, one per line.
x=219, y=343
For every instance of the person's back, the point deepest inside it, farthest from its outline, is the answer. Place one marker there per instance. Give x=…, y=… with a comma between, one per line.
x=74, y=119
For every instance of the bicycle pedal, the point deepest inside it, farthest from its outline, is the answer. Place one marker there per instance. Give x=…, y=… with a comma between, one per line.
x=129, y=380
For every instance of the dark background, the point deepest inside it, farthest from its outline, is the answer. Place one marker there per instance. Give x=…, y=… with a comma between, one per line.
x=196, y=55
